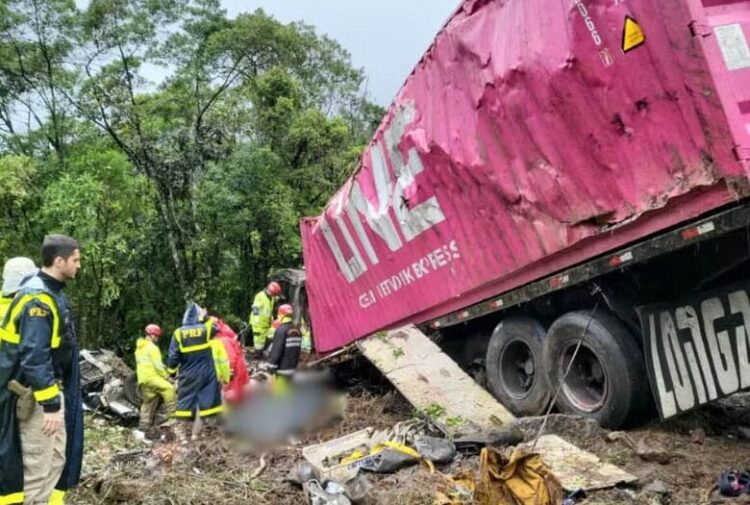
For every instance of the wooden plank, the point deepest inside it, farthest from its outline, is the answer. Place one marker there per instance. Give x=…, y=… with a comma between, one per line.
x=579, y=469
x=433, y=383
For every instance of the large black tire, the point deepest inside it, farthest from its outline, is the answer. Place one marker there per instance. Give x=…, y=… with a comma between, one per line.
x=514, y=366
x=608, y=380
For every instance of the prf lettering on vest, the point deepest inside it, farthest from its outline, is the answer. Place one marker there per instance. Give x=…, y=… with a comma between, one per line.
x=192, y=333
x=412, y=218
x=700, y=351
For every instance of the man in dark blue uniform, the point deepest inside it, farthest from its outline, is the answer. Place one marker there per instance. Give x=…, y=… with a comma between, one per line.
x=285, y=349
x=193, y=356
x=41, y=444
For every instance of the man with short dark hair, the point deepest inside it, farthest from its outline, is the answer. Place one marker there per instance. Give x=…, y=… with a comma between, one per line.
x=41, y=448
x=63, y=248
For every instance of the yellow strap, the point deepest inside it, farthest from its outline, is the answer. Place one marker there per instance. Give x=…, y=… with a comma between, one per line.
x=11, y=499
x=47, y=393
x=57, y=497
x=210, y=412
x=195, y=348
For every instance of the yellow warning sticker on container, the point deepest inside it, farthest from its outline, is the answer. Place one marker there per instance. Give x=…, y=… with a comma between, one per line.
x=632, y=35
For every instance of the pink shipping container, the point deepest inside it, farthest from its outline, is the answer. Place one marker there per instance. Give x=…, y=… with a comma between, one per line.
x=532, y=136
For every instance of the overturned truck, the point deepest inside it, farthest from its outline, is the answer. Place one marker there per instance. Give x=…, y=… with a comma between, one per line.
x=554, y=172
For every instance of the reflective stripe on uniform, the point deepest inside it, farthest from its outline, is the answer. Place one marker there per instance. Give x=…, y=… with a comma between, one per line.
x=210, y=412
x=47, y=393
x=194, y=348
x=183, y=413
x=8, y=331
x=57, y=497
x=11, y=499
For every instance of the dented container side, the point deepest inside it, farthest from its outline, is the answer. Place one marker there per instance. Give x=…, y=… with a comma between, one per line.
x=531, y=136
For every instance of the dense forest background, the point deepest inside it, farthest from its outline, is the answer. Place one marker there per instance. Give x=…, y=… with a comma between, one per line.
x=179, y=146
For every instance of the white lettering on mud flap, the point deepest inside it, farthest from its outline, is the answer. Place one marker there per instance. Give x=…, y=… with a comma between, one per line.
x=411, y=218
x=733, y=44
x=698, y=350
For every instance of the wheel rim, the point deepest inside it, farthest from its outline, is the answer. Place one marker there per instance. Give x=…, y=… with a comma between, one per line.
x=586, y=383
x=517, y=369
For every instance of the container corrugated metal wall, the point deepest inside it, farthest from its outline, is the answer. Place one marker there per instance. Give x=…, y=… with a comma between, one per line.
x=531, y=136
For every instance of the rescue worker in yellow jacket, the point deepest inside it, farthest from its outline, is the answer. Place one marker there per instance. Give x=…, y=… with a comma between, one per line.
x=152, y=378
x=261, y=315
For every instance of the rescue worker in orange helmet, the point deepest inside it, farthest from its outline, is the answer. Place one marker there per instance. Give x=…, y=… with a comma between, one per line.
x=261, y=315
x=286, y=347
x=152, y=378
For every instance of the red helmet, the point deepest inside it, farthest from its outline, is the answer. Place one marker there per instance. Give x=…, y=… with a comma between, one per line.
x=153, y=330
x=285, y=310
x=274, y=288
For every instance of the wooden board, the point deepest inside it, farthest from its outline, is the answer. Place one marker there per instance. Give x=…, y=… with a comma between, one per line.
x=433, y=383
x=579, y=469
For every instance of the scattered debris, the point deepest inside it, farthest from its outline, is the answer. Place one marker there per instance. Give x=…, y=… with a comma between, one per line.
x=343, y=354
x=621, y=436
x=522, y=478
x=652, y=450
x=109, y=386
x=261, y=467
x=473, y=442
x=436, y=450
x=698, y=436
x=325, y=457
x=333, y=494
x=734, y=483
x=456, y=490
x=656, y=487
x=573, y=497
x=119, y=467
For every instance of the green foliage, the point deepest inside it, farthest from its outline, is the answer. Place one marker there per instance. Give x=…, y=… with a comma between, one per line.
x=433, y=411
x=454, y=421
x=191, y=188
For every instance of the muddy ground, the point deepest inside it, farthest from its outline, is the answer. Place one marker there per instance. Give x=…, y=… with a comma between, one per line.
x=682, y=457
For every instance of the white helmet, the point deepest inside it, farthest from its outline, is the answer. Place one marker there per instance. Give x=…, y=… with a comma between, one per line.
x=14, y=272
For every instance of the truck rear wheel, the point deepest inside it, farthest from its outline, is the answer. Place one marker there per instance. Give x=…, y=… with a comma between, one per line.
x=607, y=381
x=514, y=359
